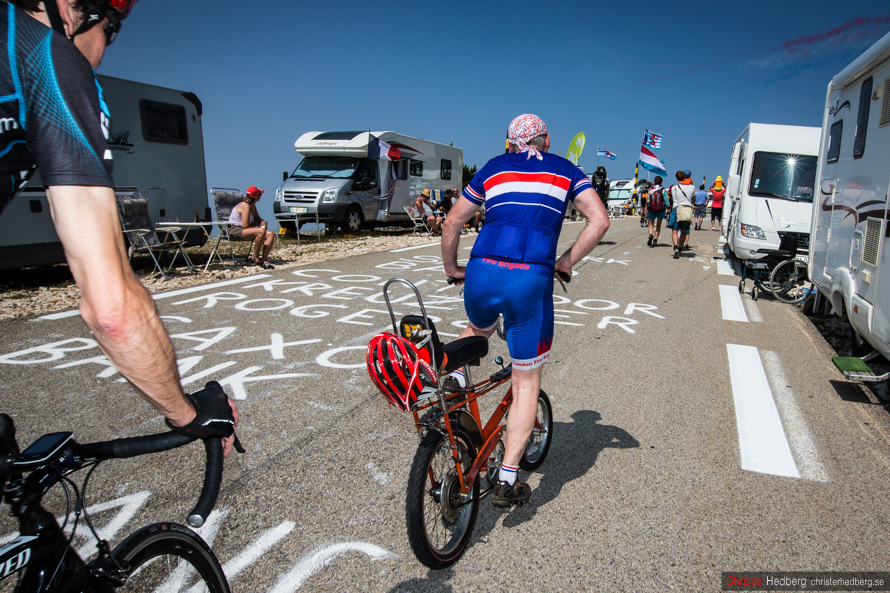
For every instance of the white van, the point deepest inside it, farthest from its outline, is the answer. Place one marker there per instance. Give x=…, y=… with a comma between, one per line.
x=158, y=147
x=620, y=191
x=337, y=184
x=770, y=189
x=850, y=250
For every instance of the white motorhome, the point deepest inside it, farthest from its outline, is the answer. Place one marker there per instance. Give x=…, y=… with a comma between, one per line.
x=620, y=191
x=158, y=149
x=770, y=189
x=850, y=250
x=338, y=183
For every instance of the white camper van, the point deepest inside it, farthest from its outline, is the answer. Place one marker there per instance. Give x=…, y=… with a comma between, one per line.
x=337, y=182
x=158, y=149
x=770, y=189
x=850, y=250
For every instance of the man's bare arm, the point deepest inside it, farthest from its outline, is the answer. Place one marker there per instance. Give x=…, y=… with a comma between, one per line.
x=454, y=222
x=591, y=207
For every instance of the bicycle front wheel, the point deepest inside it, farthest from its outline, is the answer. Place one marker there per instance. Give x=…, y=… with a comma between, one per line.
x=440, y=521
x=789, y=281
x=539, y=441
x=169, y=557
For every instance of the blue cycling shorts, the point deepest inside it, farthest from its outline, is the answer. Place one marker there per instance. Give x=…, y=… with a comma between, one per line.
x=523, y=294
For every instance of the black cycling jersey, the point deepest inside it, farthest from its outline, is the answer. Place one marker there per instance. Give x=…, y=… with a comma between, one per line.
x=52, y=112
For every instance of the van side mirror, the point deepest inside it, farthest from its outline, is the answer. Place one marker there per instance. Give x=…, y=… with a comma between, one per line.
x=732, y=187
x=284, y=175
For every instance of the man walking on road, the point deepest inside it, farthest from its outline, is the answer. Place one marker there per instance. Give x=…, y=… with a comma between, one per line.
x=513, y=263
x=59, y=121
x=701, y=206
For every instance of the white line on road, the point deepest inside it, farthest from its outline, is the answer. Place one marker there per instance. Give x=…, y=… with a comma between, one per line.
x=413, y=247
x=724, y=268
x=174, y=293
x=731, y=304
x=315, y=561
x=762, y=443
x=803, y=445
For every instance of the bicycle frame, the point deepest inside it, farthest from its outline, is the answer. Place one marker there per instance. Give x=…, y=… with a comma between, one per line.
x=448, y=408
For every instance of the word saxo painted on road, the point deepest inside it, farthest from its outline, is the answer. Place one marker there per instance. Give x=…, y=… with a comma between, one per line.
x=353, y=299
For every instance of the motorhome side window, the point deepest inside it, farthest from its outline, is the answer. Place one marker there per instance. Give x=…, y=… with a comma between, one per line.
x=862, y=118
x=789, y=176
x=446, y=169
x=400, y=169
x=163, y=122
x=416, y=168
x=834, y=141
x=365, y=175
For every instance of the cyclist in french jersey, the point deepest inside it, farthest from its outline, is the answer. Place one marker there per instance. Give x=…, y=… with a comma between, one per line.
x=54, y=117
x=525, y=193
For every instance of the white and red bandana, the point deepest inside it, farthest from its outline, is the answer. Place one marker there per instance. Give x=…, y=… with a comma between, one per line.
x=524, y=128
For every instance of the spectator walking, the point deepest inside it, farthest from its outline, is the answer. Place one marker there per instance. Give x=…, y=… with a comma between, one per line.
x=655, y=210
x=683, y=193
x=701, y=206
x=718, y=191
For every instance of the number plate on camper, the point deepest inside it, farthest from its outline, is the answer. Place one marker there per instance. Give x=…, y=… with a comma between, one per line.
x=295, y=210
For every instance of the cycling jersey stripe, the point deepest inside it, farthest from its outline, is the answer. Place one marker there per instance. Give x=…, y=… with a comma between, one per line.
x=534, y=177
x=13, y=67
x=493, y=206
x=8, y=148
x=518, y=187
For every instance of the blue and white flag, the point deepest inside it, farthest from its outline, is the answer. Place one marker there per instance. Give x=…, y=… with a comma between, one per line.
x=606, y=153
x=652, y=140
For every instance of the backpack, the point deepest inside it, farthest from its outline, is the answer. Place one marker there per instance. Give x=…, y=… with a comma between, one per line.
x=656, y=199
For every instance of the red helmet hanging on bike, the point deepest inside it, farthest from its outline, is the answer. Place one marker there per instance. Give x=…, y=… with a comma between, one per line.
x=398, y=369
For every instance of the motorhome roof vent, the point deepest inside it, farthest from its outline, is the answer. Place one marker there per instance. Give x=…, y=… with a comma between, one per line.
x=873, y=228
x=885, y=103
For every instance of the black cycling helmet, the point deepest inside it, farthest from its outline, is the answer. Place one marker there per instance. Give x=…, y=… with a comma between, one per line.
x=94, y=11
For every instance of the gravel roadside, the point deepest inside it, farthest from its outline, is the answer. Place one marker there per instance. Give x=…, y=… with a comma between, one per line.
x=40, y=291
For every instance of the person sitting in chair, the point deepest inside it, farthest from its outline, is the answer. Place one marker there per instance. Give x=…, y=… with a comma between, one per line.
x=245, y=224
x=422, y=207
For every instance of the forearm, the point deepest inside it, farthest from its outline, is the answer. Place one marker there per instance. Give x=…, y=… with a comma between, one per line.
x=115, y=306
x=591, y=207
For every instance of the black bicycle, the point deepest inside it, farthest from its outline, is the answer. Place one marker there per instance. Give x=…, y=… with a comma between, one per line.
x=158, y=557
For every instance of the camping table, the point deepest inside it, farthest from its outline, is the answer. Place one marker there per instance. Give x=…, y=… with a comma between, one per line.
x=215, y=251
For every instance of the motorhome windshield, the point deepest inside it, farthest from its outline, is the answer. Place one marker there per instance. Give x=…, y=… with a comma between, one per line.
x=786, y=176
x=327, y=167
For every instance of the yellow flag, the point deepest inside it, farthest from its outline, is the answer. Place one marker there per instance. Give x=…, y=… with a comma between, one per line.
x=575, y=148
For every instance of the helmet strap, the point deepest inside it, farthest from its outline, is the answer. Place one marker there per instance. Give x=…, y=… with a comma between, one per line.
x=55, y=19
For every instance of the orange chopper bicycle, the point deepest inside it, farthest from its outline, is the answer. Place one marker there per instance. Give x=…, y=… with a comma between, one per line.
x=458, y=458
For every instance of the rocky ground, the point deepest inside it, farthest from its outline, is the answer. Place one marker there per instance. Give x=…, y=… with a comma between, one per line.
x=39, y=291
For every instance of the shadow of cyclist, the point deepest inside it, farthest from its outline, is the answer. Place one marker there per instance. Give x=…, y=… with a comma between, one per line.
x=573, y=452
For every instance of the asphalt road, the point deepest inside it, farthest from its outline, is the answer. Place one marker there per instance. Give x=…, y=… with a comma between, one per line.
x=695, y=431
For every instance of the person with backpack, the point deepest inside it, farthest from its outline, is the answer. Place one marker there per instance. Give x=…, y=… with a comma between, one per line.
x=655, y=209
x=683, y=194
x=718, y=190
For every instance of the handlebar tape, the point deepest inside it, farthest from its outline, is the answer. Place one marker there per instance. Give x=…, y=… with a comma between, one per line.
x=155, y=443
x=212, y=481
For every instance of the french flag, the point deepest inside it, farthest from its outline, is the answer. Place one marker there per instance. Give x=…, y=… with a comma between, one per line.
x=378, y=149
x=650, y=162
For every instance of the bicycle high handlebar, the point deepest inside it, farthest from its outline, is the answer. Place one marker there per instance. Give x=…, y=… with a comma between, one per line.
x=77, y=455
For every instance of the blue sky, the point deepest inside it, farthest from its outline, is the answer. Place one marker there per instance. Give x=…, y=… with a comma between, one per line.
x=458, y=72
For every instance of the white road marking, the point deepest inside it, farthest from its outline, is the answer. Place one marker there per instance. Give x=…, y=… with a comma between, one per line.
x=315, y=561
x=167, y=295
x=258, y=548
x=753, y=310
x=413, y=247
x=724, y=268
x=731, y=304
x=762, y=443
x=802, y=443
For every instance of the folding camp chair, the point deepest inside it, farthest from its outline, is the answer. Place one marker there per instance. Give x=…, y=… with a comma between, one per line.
x=141, y=235
x=419, y=221
x=224, y=201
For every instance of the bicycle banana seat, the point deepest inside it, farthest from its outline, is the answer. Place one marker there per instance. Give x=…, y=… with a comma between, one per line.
x=450, y=356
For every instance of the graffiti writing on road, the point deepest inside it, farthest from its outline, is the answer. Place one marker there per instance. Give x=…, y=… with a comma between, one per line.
x=353, y=302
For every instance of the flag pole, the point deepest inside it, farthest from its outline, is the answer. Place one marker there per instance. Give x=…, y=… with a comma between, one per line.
x=636, y=175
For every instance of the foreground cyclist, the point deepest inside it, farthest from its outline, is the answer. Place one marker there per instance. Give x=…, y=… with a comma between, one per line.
x=54, y=117
x=513, y=262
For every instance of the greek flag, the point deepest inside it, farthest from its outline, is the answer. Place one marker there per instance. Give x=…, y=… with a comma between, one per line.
x=605, y=153
x=652, y=140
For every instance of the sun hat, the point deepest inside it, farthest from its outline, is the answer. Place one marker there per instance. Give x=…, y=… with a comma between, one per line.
x=426, y=193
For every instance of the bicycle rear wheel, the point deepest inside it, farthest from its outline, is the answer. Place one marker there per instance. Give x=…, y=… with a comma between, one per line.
x=539, y=441
x=169, y=557
x=789, y=281
x=439, y=521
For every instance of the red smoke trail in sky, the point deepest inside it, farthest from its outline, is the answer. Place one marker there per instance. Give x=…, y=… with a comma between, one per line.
x=831, y=33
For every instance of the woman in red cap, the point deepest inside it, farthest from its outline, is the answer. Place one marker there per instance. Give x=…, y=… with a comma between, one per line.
x=245, y=224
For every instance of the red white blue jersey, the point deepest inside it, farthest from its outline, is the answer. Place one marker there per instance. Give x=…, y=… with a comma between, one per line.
x=525, y=204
